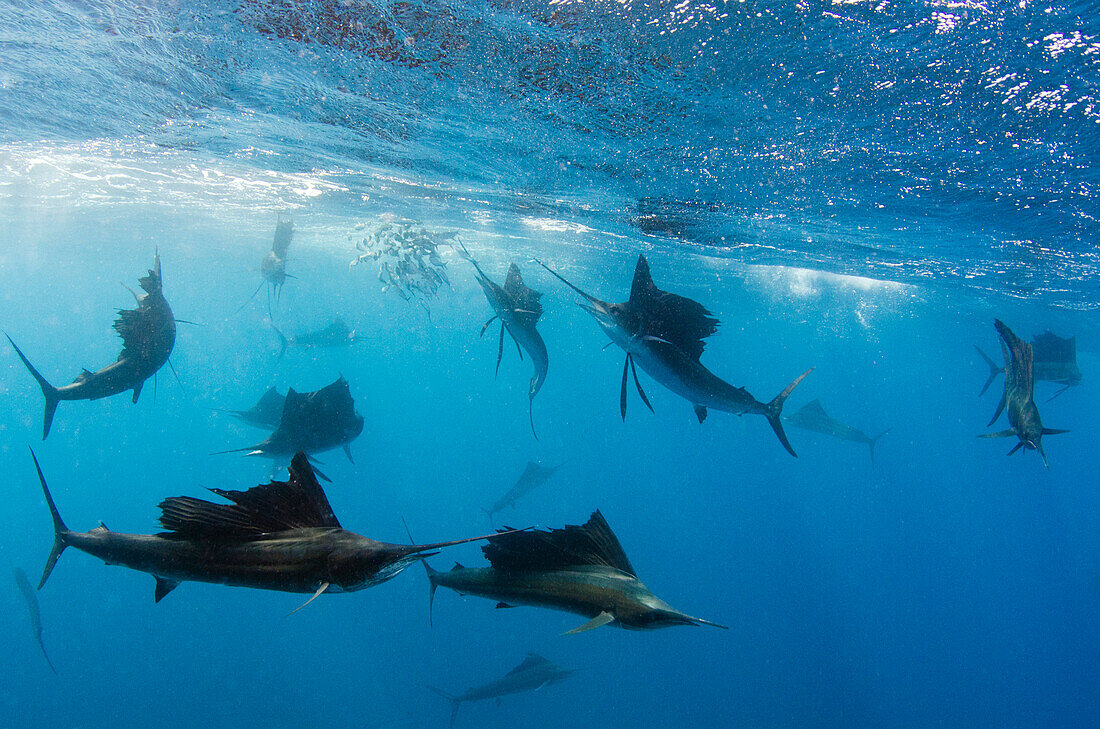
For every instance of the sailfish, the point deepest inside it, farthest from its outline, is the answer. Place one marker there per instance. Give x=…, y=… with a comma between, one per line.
x=580, y=569
x=664, y=333
x=1018, y=397
x=148, y=334
x=280, y=536
x=530, y=675
x=518, y=307
x=273, y=266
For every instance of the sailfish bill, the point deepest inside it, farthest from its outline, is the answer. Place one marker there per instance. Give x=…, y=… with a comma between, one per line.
x=665, y=334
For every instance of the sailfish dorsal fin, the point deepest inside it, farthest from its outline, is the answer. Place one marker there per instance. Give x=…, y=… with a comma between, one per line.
x=141, y=328
x=531, y=661
x=673, y=318
x=273, y=507
x=526, y=300
x=555, y=549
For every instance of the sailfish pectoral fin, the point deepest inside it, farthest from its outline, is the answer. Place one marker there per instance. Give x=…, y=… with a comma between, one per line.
x=638, y=384
x=500, y=349
x=999, y=434
x=599, y=621
x=163, y=588
x=701, y=413
x=137, y=391
x=1053, y=431
x=324, y=586
x=622, y=390
x=1016, y=447
x=486, y=325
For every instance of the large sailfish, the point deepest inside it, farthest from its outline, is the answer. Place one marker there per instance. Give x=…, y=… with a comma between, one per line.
x=664, y=333
x=280, y=536
x=1018, y=398
x=148, y=334
x=518, y=307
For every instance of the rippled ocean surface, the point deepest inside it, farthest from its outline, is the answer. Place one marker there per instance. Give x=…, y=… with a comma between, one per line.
x=858, y=187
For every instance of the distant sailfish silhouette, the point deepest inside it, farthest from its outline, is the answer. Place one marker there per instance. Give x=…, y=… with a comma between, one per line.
x=665, y=333
x=266, y=413
x=518, y=308
x=31, y=599
x=273, y=267
x=812, y=417
x=530, y=675
x=148, y=334
x=1054, y=359
x=312, y=422
x=1018, y=396
x=533, y=476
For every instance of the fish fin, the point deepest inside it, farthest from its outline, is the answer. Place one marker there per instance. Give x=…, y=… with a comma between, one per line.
x=347, y=452
x=504, y=606
x=638, y=384
x=500, y=349
x=1053, y=431
x=324, y=586
x=773, y=411
x=1059, y=392
x=531, y=661
x=526, y=302
x=1000, y=407
x=283, y=343
x=700, y=412
x=486, y=325
x=872, y=442
x=677, y=319
x=1016, y=447
x=141, y=327
x=273, y=507
x=622, y=388
x=60, y=531
x=137, y=392
x=999, y=434
x=49, y=392
x=163, y=587
x=590, y=544
x=994, y=370
x=455, y=702
x=599, y=621
x=250, y=298
x=284, y=234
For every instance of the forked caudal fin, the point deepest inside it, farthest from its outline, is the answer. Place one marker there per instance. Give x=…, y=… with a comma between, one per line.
x=873, y=442
x=774, y=410
x=48, y=391
x=455, y=701
x=994, y=370
x=60, y=531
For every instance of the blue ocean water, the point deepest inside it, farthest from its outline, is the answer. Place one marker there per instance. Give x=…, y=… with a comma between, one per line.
x=856, y=187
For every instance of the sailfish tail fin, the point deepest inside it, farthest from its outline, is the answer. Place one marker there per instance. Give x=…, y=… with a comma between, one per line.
x=773, y=411
x=873, y=442
x=455, y=701
x=48, y=391
x=60, y=531
x=994, y=370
